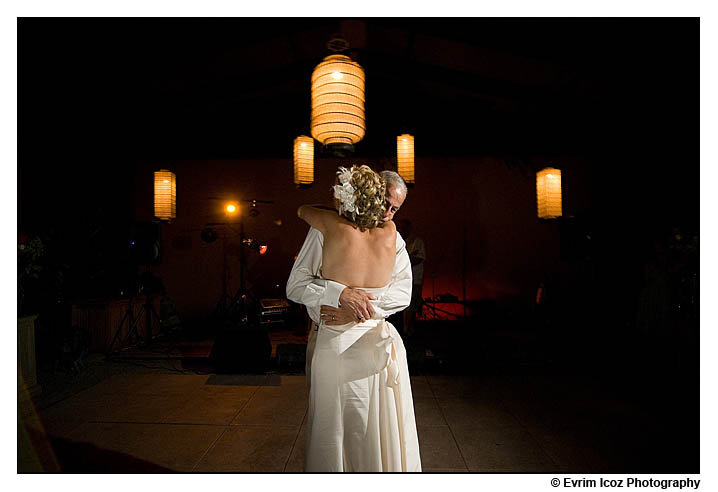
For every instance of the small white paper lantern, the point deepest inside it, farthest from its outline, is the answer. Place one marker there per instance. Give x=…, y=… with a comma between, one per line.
x=405, y=157
x=303, y=160
x=165, y=195
x=548, y=193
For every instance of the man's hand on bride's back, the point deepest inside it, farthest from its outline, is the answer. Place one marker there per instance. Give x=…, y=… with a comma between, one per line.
x=357, y=303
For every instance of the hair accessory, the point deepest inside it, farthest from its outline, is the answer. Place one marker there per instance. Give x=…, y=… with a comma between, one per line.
x=344, y=192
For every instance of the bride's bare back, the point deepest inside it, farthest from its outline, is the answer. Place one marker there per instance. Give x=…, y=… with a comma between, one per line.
x=350, y=256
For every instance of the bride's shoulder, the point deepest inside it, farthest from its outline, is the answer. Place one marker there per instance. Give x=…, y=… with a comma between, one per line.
x=388, y=227
x=389, y=224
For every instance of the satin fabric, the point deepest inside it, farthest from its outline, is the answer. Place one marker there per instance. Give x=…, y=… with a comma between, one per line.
x=361, y=411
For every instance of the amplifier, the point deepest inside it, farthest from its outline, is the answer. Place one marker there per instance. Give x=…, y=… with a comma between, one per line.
x=273, y=311
x=274, y=305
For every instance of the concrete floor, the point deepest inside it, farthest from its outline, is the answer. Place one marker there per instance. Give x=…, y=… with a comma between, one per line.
x=256, y=423
x=507, y=403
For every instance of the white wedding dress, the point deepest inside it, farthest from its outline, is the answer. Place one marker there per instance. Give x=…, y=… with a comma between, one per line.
x=361, y=411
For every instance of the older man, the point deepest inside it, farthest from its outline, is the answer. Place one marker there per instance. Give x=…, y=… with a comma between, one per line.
x=337, y=304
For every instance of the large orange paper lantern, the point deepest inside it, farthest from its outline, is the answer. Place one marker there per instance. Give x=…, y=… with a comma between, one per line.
x=338, y=102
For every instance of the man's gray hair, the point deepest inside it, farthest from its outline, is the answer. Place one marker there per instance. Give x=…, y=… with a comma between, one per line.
x=393, y=180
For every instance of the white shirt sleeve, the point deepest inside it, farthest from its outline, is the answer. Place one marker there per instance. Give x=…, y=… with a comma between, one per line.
x=306, y=287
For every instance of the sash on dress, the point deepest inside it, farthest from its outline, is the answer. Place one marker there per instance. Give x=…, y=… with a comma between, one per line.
x=386, y=353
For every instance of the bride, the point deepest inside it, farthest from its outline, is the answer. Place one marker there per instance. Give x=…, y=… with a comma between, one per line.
x=361, y=412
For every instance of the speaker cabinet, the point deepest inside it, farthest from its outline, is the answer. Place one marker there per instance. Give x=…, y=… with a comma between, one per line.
x=241, y=351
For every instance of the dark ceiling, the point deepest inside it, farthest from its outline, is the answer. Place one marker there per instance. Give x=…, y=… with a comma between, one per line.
x=233, y=88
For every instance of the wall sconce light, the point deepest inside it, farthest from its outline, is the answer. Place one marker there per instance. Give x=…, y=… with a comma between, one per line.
x=548, y=193
x=405, y=157
x=231, y=208
x=303, y=160
x=165, y=195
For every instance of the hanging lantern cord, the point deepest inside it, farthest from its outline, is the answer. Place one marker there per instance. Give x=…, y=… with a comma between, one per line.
x=337, y=43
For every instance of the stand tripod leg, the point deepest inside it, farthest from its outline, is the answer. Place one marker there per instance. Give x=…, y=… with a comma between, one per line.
x=221, y=309
x=150, y=311
x=133, y=327
x=119, y=329
x=149, y=308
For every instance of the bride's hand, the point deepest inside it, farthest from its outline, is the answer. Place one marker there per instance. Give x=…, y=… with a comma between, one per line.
x=336, y=316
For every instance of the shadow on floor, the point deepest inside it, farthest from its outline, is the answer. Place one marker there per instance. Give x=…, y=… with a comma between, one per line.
x=38, y=452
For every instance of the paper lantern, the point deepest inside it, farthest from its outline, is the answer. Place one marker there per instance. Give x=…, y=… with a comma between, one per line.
x=338, y=102
x=405, y=157
x=303, y=160
x=165, y=195
x=548, y=193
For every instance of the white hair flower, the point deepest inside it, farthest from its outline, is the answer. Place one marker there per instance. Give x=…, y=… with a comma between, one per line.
x=344, y=175
x=344, y=192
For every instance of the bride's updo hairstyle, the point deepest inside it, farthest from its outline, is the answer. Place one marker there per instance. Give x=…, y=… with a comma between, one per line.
x=361, y=194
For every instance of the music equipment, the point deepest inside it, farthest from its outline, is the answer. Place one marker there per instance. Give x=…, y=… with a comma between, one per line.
x=273, y=312
x=241, y=351
x=144, y=244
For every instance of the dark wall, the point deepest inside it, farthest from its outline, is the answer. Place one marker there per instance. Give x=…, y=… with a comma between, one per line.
x=477, y=217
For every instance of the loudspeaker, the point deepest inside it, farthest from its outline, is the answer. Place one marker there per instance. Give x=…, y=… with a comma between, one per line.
x=241, y=351
x=145, y=245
